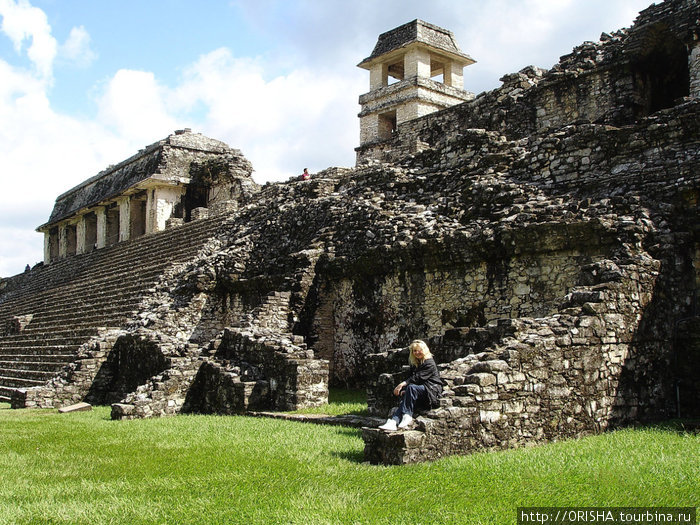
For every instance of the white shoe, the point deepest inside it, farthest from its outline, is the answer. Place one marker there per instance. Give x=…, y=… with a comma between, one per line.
x=406, y=420
x=389, y=425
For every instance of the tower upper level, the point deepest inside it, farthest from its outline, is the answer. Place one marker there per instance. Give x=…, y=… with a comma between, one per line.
x=428, y=66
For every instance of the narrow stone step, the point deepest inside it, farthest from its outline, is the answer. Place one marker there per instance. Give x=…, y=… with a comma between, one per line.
x=35, y=375
x=19, y=383
x=40, y=350
x=65, y=358
x=42, y=366
x=44, y=340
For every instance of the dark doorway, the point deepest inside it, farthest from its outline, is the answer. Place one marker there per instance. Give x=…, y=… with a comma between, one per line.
x=195, y=197
x=660, y=72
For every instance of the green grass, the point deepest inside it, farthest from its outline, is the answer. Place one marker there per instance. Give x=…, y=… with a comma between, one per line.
x=83, y=468
x=340, y=401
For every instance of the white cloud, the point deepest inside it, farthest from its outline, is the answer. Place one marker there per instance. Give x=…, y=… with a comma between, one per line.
x=76, y=49
x=18, y=247
x=506, y=36
x=42, y=152
x=133, y=104
x=280, y=123
x=21, y=22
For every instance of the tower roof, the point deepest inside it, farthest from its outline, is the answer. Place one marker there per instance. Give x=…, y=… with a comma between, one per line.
x=417, y=31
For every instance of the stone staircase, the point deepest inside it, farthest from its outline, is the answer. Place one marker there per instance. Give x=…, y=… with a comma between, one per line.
x=48, y=313
x=256, y=363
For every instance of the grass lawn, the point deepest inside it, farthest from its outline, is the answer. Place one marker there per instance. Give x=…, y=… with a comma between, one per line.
x=83, y=468
x=341, y=401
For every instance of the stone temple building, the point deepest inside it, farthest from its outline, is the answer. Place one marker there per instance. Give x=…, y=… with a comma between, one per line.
x=541, y=237
x=141, y=194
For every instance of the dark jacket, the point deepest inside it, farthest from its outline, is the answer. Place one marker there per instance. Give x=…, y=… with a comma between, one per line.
x=427, y=374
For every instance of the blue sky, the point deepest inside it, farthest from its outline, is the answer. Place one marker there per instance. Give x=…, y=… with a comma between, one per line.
x=85, y=84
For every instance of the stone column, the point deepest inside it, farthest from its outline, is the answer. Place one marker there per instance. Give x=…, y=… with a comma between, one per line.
x=124, y=218
x=151, y=211
x=694, y=70
x=416, y=63
x=378, y=76
x=454, y=75
x=47, y=247
x=62, y=240
x=369, y=128
x=160, y=205
x=101, y=227
x=80, y=234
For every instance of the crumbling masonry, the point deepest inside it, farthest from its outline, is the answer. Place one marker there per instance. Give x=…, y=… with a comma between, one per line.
x=541, y=237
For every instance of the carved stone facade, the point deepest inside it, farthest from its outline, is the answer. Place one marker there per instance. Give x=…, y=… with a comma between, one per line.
x=542, y=238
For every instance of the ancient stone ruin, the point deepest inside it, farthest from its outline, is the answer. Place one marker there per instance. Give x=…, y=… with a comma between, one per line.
x=541, y=237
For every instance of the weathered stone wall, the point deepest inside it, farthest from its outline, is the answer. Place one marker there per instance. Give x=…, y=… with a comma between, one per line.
x=591, y=159
x=576, y=372
x=374, y=309
x=587, y=97
x=694, y=68
x=295, y=378
x=685, y=360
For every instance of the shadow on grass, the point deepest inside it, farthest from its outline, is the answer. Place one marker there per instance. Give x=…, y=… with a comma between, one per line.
x=352, y=457
x=679, y=426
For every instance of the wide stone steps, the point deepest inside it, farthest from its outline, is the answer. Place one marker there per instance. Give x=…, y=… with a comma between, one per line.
x=35, y=375
x=34, y=358
x=89, y=313
x=70, y=299
x=37, y=343
x=86, y=294
x=77, y=299
x=40, y=350
x=56, y=337
x=18, y=382
x=52, y=365
x=175, y=244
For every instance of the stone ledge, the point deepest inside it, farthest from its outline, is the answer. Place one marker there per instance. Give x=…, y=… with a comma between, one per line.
x=346, y=420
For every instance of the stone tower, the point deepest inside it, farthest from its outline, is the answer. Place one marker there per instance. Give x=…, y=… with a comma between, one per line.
x=428, y=65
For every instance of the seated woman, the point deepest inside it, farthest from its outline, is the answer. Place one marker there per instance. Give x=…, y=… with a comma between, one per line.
x=421, y=390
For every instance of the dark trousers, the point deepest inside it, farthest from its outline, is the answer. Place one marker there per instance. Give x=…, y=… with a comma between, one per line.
x=413, y=397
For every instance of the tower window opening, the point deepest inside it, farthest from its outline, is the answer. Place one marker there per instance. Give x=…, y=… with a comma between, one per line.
x=387, y=125
x=437, y=70
x=395, y=72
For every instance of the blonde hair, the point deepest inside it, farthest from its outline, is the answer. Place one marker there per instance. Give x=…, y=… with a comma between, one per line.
x=417, y=343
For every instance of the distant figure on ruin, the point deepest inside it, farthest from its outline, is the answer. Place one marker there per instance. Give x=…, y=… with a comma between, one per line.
x=306, y=175
x=27, y=268
x=420, y=391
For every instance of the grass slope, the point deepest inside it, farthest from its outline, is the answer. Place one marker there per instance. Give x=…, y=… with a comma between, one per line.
x=83, y=468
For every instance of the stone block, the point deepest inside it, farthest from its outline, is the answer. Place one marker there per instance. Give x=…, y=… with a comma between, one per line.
x=199, y=213
x=481, y=379
x=77, y=407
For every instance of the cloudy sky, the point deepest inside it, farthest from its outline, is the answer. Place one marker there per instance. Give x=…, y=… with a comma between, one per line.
x=85, y=84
